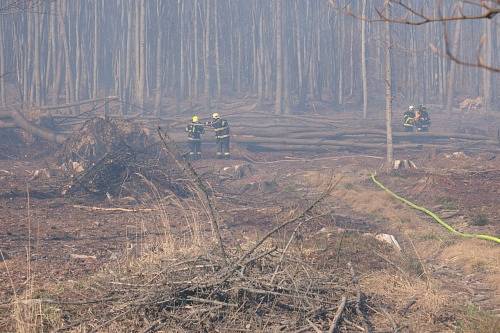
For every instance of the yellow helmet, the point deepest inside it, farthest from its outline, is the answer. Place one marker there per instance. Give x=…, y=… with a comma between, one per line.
x=215, y=115
x=195, y=119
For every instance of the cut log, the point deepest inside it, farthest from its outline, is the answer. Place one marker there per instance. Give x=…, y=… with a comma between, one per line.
x=7, y=124
x=31, y=128
x=70, y=105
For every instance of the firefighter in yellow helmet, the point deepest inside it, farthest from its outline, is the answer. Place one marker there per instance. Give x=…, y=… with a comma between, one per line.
x=221, y=127
x=195, y=129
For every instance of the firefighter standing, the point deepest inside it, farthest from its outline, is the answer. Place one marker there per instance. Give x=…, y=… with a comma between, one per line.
x=221, y=127
x=195, y=129
x=422, y=119
x=409, y=119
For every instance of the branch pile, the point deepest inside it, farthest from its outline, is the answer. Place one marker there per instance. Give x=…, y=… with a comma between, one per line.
x=198, y=293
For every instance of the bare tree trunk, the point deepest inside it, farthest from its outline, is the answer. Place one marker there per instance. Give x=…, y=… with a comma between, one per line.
x=450, y=91
x=207, y=55
x=363, y=61
x=141, y=88
x=300, y=72
x=182, y=61
x=67, y=59
x=341, y=60
x=37, y=69
x=95, y=70
x=488, y=49
x=26, y=54
x=3, y=72
x=261, y=73
x=159, y=54
x=51, y=61
x=278, y=106
x=78, y=53
x=196, y=55
x=217, y=59
x=388, y=85
x=129, y=54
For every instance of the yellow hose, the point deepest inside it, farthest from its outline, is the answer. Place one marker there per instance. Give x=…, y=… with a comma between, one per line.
x=434, y=216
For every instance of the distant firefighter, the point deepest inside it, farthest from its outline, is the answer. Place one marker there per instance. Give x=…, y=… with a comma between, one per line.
x=221, y=127
x=195, y=129
x=416, y=119
x=422, y=119
x=409, y=118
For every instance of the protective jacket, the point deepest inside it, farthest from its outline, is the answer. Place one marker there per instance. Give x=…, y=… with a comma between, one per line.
x=195, y=130
x=221, y=127
x=408, y=119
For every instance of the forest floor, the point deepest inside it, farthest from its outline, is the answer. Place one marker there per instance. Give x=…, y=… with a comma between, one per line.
x=76, y=248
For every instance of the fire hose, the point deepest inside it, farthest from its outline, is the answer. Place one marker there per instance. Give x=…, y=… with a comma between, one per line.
x=434, y=216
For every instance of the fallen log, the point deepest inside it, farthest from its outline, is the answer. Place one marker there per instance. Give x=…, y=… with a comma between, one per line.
x=325, y=143
x=79, y=103
x=36, y=130
x=7, y=124
x=315, y=133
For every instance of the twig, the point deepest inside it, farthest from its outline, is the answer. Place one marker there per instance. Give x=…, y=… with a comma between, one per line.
x=407, y=307
x=359, y=299
x=285, y=250
x=115, y=209
x=281, y=226
x=355, y=325
x=209, y=301
x=106, y=323
x=190, y=171
x=338, y=315
x=313, y=326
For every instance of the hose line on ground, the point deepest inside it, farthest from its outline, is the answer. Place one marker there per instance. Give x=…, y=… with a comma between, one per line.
x=434, y=216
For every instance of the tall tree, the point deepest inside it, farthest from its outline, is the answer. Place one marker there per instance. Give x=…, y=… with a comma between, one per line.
x=278, y=104
x=388, y=84
x=363, y=60
x=450, y=91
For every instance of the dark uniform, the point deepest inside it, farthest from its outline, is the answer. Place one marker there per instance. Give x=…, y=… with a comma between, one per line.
x=195, y=130
x=221, y=127
x=408, y=120
x=422, y=120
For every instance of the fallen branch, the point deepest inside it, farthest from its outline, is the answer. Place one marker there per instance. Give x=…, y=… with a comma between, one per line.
x=329, y=189
x=359, y=299
x=313, y=326
x=209, y=301
x=338, y=315
x=188, y=169
x=115, y=209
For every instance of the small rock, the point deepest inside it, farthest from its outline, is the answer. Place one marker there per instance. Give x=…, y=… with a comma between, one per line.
x=389, y=239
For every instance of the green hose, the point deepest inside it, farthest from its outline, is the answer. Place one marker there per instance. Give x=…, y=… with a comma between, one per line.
x=434, y=216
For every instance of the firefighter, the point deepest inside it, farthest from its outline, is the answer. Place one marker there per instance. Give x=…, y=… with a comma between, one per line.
x=195, y=129
x=409, y=119
x=221, y=127
x=422, y=120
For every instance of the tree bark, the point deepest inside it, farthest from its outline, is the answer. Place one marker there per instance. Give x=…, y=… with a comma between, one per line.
x=141, y=89
x=159, y=55
x=207, y=56
x=388, y=85
x=95, y=69
x=278, y=105
x=217, y=58
x=450, y=91
x=3, y=72
x=363, y=61
x=488, y=50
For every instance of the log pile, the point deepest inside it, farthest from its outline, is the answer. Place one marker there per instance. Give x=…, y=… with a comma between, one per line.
x=258, y=130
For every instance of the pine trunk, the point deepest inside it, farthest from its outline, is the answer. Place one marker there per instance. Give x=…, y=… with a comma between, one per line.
x=278, y=106
x=388, y=86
